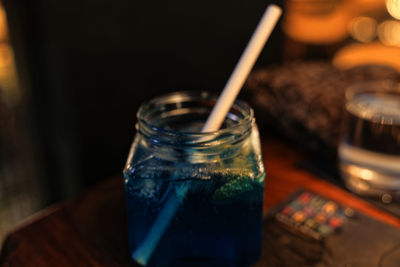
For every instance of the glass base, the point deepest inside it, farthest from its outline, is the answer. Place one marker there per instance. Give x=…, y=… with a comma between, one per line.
x=371, y=183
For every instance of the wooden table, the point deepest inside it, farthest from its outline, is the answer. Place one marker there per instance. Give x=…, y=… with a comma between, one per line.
x=91, y=229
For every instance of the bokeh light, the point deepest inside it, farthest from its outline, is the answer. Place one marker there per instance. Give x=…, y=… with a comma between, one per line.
x=389, y=32
x=363, y=29
x=393, y=7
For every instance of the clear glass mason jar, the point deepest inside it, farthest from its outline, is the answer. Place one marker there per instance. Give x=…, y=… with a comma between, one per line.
x=194, y=199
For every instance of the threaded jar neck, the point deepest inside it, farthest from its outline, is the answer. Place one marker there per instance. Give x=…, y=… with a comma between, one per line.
x=174, y=121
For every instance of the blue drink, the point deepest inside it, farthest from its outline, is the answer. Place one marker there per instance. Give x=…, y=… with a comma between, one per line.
x=209, y=185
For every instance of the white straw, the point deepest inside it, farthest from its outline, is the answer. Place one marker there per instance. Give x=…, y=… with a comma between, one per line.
x=243, y=68
x=268, y=21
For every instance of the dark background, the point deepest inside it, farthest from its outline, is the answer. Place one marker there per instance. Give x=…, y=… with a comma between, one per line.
x=85, y=66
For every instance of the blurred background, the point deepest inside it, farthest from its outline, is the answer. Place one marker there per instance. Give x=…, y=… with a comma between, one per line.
x=73, y=73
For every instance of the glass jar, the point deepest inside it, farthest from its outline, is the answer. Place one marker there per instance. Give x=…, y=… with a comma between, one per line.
x=194, y=199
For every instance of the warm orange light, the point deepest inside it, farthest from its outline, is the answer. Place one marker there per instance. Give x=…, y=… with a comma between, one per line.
x=367, y=6
x=9, y=87
x=3, y=25
x=389, y=32
x=6, y=56
x=327, y=22
x=393, y=7
x=363, y=29
x=365, y=54
x=307, y=22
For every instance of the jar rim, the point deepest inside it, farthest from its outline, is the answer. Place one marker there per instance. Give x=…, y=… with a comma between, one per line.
x=246, y=111
x=380, y=86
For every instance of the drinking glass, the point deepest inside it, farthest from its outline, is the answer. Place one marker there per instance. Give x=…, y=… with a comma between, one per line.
x=192, y=198
x=369, y=149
